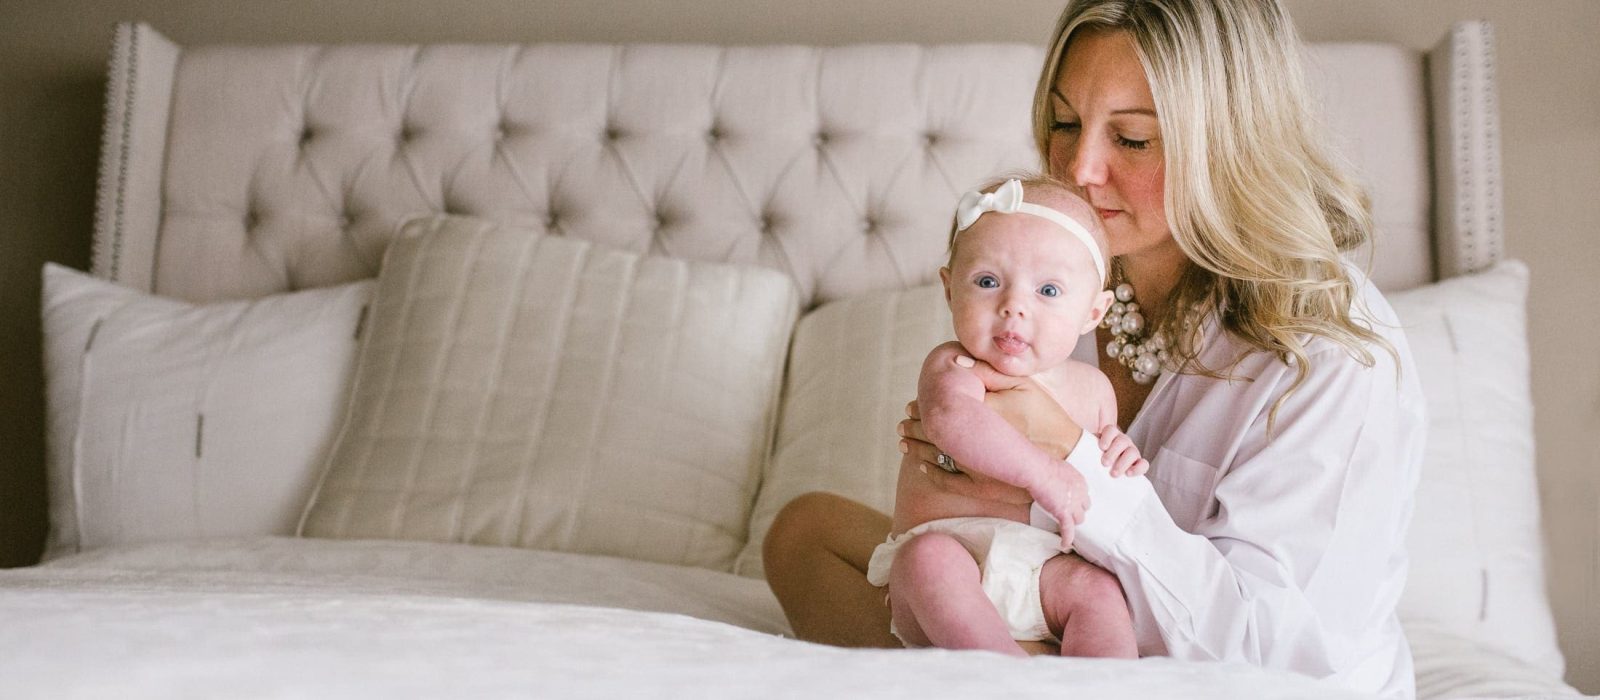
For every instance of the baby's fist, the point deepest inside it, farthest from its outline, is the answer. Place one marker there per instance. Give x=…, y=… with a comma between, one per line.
x=1120, y=455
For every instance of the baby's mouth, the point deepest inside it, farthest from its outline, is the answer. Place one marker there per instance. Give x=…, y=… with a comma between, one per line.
x=1010, y=343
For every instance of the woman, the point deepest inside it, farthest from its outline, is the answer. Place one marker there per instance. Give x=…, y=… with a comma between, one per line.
x=1278, y=404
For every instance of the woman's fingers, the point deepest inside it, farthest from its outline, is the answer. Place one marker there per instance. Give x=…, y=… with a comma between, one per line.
x=959, y=483
x=912, y=430
x=913, y=412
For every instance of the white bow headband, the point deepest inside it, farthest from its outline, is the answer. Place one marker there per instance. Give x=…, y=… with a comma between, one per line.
x=1007, y=199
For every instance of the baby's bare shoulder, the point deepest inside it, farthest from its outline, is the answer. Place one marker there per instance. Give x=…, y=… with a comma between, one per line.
x=1083, y=390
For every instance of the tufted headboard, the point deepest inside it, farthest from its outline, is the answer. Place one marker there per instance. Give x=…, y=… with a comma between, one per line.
x=240, y=171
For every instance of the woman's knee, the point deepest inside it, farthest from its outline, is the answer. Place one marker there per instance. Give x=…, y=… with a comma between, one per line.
x=799, y=524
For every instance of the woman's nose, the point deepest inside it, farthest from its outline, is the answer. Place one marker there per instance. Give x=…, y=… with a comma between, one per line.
x=1085, y=163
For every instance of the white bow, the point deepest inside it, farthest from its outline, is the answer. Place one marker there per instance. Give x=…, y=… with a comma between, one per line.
x=1005, y=199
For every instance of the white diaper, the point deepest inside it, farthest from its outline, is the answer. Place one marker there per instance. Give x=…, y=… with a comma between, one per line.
x=1010, y=556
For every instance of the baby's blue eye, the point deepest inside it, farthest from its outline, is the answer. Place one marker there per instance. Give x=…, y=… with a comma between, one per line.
x=1050, y=290
x=988, y=282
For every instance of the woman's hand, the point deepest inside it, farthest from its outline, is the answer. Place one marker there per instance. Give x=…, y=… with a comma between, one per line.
x=918, y=453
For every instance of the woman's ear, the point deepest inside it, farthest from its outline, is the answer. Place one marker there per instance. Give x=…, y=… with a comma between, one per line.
x=1097, y=310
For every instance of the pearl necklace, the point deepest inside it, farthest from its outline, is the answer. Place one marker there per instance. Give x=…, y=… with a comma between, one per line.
x=1145, y=356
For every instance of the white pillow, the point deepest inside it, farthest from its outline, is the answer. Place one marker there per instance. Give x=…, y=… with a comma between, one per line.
x=852, y=368
x=170, y=420
x=536, y=391
x=1477, y=554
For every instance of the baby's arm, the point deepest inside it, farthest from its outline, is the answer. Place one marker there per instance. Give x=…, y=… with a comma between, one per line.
x=950, y=398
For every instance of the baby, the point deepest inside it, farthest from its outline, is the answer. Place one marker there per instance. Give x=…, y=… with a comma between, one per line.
x=1025, y=279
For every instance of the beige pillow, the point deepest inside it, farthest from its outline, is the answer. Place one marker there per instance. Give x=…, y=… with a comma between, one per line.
x=852, y=369
x=536, y=391
x=171, y=420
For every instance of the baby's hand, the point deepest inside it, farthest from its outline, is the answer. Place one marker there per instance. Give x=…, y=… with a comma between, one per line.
x=1063, y=494
x=1118, y=453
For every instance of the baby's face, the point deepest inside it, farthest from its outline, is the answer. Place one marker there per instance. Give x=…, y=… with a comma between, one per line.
x=1021, y=291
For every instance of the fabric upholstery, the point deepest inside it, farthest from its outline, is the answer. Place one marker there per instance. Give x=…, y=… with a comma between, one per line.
x=1381, y=126
x=290, y=166
x=174, y=421
x=132, y=155
x=1466, y=154
x=537, y=391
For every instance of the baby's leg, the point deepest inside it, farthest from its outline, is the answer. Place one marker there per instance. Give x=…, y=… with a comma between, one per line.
x=1085, y=608
x=936, y=597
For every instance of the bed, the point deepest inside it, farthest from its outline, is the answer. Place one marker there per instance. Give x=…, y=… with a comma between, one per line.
x=481, y=370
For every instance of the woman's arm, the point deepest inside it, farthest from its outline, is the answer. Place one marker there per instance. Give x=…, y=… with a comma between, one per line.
x=1296, y=559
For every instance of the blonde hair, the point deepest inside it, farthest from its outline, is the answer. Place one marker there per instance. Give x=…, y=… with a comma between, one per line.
x=1254, y=196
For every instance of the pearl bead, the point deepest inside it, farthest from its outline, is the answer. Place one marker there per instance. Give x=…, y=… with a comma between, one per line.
x=1118, y=308
x=1124, y=292
x=1128, y=351
x=1132, y=323
x=1131, y=307
x=1147, y=364
x=1114, y=348
x=1159, y=341
x=1142, y=378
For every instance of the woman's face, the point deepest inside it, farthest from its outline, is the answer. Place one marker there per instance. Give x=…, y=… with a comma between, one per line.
x=1104, y=137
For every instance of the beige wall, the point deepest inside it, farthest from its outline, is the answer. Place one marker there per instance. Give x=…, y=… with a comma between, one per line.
x=52, y=56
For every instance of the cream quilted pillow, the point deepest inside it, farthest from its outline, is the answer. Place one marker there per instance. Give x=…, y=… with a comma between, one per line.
x=853, y=368
x=537, y=391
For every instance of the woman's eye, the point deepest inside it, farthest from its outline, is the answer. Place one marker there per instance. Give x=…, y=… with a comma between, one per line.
x=1050, y=290
x=1133, y=144
x=988, y=282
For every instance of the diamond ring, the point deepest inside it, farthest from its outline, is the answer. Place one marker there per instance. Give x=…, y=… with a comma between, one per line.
x=944, y=462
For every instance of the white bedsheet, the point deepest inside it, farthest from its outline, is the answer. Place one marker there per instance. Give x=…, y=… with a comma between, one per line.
x=272, y=618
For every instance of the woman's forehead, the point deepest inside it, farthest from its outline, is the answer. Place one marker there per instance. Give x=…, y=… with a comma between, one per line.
x=1101, y=67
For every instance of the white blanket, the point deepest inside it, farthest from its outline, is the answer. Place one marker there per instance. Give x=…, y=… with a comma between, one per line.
x=276, y=618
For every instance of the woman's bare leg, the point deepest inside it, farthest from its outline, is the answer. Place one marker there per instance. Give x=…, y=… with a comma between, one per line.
x=816, y=557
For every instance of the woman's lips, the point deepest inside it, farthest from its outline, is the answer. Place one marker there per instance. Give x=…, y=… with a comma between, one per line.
x=1108, y=213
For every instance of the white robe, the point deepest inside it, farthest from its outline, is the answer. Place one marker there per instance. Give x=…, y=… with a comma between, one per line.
x=1285, y=551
